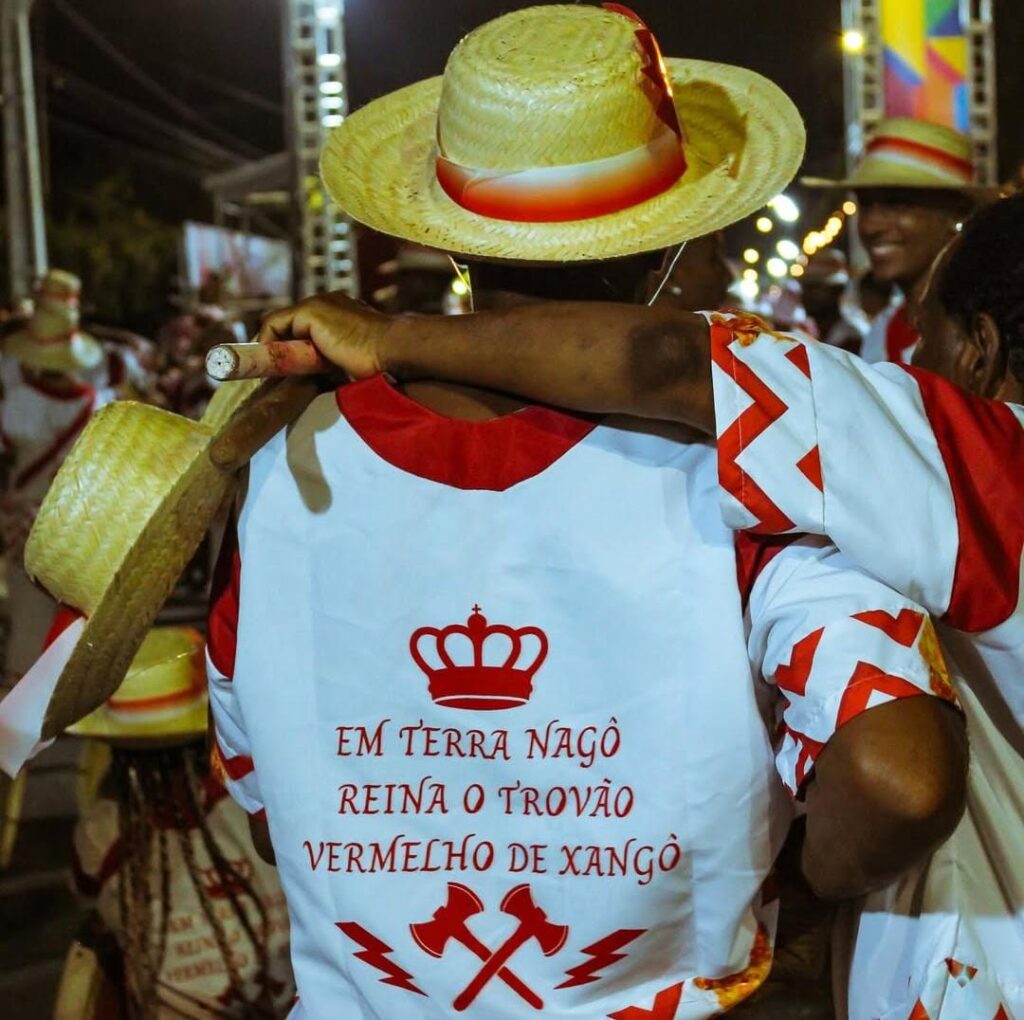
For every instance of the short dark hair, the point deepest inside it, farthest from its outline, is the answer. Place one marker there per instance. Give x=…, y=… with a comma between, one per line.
x=615, y=280
x=985, y=274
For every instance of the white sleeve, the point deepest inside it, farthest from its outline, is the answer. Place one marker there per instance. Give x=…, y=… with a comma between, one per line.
x=915, y=480
x=835, y=642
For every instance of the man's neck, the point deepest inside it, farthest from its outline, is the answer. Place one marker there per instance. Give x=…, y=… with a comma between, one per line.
x=465, y=403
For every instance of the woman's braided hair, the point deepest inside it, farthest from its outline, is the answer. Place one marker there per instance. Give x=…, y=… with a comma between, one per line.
x=152, y=789
x=985, y=274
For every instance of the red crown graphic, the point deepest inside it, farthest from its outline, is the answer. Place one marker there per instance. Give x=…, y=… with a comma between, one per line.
x=472, y=684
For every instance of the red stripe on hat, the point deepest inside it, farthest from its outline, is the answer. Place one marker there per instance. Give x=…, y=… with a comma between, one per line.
x=161, y=701
x=562, y=194
x=964, y=167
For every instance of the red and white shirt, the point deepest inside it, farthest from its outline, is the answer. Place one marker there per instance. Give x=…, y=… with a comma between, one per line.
x=193, y=981
x=495, y=688
x=919, y=483
x=892, y=337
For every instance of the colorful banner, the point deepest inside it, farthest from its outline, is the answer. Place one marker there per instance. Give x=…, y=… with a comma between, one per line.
x=926, y=53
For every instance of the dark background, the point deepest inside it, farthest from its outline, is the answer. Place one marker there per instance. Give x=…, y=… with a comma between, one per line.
x=125, y=158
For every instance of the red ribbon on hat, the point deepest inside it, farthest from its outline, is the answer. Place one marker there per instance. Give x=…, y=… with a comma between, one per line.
x=578, y=191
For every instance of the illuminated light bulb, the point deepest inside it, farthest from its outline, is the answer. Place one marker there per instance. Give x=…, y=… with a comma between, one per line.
x=796, y=270
x=764, y=224
x=332, y=102
x=749, y=289
x=329, y=60
x=850, y=207
x=834, y=225
x=328, y=14
x=751, y=255
x=459, y=287
x=776, y=267
x=332, y=88
x=853, y=40
x=809, y=246
x=750, y=274
x=787, y=249
x=785, y=208
x=332, y=120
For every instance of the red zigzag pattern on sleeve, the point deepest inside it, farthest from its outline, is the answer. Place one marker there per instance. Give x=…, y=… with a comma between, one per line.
x=765, y=410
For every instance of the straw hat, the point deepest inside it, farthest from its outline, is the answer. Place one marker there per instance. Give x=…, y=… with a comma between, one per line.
x=908, y=153
x=52, y=341
x=553, y=136
x=124, y=515
x=163, y=698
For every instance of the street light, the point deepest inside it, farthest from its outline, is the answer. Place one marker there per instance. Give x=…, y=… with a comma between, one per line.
x=785, y=208
x=853, y=40
x=787, y=249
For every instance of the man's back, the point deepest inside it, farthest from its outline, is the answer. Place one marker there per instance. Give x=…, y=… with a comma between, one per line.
x=492, y=689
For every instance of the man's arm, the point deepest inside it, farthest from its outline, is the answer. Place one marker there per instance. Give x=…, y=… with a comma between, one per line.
x=605, y=358
x=870, y=735
x=887, y=789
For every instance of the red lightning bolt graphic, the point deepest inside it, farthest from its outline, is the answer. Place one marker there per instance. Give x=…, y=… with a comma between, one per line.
x=375, y=953
x=605, y=952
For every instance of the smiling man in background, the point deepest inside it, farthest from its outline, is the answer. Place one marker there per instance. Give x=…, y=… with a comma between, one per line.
x=914, y=186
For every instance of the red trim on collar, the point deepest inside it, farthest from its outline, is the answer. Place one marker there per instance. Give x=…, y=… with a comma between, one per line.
x=492, y=455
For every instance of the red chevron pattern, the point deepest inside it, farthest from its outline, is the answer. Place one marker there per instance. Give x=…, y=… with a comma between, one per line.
x=810, y=463
x=765, y=410
x=903, y=629
x=666, y=1003
x=809, y=751
x=867, y=680
x=793, y=678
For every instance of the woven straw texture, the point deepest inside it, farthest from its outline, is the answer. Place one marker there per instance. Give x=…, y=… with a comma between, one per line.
x=113, y=535
x=550, y=86
x=124, y=515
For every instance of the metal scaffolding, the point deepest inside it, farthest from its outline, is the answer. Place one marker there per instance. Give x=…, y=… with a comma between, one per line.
x=26, y=222
x=316, y=92
x=865, y=80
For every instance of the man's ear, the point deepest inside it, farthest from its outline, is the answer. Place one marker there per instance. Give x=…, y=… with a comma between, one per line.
x=987, y=366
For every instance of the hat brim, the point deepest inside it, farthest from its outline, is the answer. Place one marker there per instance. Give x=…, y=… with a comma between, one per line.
x=896, y=180
x=136, y=495
x=80, y=354
x=103, y=725
x=744, y=143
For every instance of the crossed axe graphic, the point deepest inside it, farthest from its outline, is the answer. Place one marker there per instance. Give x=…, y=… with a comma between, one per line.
x=449, y=922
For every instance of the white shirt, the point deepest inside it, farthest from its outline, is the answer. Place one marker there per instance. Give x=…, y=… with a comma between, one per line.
x=604, y=755
x=919, y=483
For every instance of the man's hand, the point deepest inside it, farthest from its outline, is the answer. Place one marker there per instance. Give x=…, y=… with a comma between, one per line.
x=346, y=332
